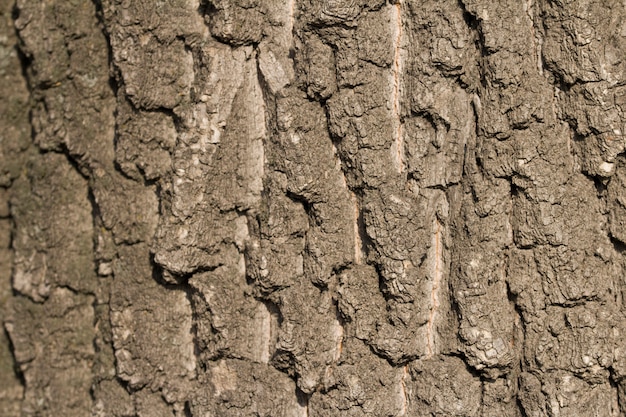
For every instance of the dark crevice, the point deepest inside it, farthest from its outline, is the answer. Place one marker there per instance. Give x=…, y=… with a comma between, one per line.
x=473, y=23
x=196, y=301
x=114, y=80
x=621, y=404
x=470, y=19
x=25, y=63
x=549, y=70
x=273, y=309
x=16, y=367
x=521, y=332
x=520, y=406
x=367, y=245
x=193, y=296
x=308, y=206
x=619, y=246
x=75, y=292
x=80, y=165
x=382, y=284
x=342, y=320
x=303, y=399
x=197, y=350
x=96, y=216
x=437, y=122
x=97, y=377
x=206, y=8
x=337, y=24
x=124, y=384
x=173, y=280
x=600, y=183
x=187, y=409
x=103, y=27
x=10, y=247
x=280, y=359
x=284, y=361
x=559, y=82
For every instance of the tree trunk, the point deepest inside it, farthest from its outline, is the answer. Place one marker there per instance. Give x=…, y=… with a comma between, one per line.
x=312, y=208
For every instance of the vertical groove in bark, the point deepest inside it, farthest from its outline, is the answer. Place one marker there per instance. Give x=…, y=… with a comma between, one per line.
x=437, y=256
x=14, y=140
x=397, y=69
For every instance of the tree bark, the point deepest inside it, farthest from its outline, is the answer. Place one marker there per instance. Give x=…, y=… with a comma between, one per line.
x=312, y=208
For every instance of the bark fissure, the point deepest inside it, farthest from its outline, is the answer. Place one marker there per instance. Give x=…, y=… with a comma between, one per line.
x=437, y=272
x=397, y=69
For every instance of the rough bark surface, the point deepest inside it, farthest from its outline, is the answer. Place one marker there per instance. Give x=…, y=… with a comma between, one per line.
x=309, y=208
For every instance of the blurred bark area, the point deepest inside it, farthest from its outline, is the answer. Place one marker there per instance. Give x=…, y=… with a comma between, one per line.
x=312, y=208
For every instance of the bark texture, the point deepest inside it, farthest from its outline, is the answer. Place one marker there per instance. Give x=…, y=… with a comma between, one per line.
x=309, y=208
